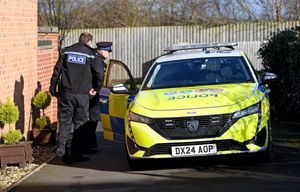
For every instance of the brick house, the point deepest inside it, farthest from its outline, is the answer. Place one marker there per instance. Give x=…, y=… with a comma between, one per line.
x=24, y=62
x=47, y=55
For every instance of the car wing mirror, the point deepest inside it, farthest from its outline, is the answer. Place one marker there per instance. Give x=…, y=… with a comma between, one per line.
x=268, y=77
x=120, y=89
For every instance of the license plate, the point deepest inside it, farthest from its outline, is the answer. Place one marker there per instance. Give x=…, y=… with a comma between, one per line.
x=194, y=150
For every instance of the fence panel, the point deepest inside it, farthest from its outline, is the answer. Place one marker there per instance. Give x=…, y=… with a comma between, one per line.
x=140, y=45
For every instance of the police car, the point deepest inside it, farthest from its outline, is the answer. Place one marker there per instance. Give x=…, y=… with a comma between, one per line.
x=205, y=101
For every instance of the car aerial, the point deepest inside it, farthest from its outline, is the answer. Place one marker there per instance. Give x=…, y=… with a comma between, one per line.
x=196, y=100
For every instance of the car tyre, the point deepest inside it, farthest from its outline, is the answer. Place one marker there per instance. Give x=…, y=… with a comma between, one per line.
x=134, y=164
x=268, y=155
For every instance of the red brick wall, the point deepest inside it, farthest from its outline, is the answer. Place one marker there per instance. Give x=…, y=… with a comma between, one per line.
x=47, y=57
x=18, y=56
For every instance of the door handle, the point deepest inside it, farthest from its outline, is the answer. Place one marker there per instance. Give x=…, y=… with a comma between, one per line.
x=103, y=101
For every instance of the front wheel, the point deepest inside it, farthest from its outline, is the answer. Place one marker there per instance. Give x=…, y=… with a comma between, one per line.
x=268, y=155
x=134, y=164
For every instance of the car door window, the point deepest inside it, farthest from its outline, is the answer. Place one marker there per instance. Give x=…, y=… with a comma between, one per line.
x=118, y=74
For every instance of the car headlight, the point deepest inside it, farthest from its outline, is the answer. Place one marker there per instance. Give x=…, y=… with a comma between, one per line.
x=248, y=111
x=139, y=118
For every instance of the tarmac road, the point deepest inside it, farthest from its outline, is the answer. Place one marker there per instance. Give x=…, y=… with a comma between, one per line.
x=108, y=171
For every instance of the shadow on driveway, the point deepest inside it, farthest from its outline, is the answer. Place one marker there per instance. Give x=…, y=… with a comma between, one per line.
x=108, y=171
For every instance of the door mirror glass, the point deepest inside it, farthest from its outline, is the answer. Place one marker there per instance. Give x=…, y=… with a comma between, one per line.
x=268, y=77
x=120, y=89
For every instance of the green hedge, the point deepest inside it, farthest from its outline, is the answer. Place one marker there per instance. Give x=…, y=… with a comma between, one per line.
x=281, y=55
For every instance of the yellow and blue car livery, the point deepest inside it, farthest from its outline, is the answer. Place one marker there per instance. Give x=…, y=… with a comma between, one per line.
x=113, y=107
x=113, y=113
x=196, y=103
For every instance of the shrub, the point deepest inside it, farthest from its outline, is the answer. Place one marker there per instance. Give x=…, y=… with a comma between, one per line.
x=42, y=100
x=281, y=55
x=43, y=122
x=12, y=137
x=9, y=112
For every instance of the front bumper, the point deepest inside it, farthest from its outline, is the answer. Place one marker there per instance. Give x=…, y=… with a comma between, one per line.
x=244, y=136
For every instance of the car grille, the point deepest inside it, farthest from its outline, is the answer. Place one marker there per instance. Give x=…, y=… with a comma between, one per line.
x=222, y=145
x=206, y=126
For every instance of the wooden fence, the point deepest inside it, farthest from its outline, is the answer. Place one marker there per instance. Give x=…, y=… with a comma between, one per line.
x=139, y=46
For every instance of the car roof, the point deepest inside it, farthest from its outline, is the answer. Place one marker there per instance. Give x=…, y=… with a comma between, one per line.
x=182, y=55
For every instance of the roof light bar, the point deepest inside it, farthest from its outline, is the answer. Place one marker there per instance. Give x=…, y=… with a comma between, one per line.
x=201, y=46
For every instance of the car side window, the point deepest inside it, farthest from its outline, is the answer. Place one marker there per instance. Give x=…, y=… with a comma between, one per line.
x=118, y=74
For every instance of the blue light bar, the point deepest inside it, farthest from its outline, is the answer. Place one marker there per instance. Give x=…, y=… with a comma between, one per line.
x=201, y=46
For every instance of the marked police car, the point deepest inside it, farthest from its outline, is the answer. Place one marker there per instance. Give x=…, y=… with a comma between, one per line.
x=201, y=102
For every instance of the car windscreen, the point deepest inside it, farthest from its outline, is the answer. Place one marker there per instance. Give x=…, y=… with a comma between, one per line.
x=199, y=71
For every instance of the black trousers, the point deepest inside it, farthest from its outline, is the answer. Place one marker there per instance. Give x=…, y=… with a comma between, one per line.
x=94, y=114
x=73, y=115
x=84, y=138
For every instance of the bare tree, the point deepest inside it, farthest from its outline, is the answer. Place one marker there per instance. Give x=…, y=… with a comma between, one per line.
x=262, y=9
x=292, y=9
x=278, y=9
x=272, y=9
x=60, y=13
x=67, y=14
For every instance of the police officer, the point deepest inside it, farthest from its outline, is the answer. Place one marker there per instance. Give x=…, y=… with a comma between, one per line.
x=104, y=49
x=74, y=72
x=88, y=134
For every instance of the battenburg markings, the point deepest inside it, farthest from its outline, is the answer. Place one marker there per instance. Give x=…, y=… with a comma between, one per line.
x=78, y=59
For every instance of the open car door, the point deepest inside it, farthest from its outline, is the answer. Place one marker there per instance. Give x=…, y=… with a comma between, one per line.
x=113, y=107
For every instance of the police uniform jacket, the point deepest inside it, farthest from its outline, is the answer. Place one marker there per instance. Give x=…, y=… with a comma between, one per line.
x=94, y=106
x=76, y=71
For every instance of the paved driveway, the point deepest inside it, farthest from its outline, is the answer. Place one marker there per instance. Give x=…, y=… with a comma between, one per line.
x=108, y=171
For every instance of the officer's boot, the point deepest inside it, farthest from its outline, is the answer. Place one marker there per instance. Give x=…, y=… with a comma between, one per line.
x=67, y=156
x=76, y=146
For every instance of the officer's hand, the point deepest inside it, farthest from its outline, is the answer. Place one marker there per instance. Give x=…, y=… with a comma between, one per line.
x=52, y=92
x=92, y=92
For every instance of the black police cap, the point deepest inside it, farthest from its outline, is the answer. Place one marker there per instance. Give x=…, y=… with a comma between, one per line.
x=105, y=45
